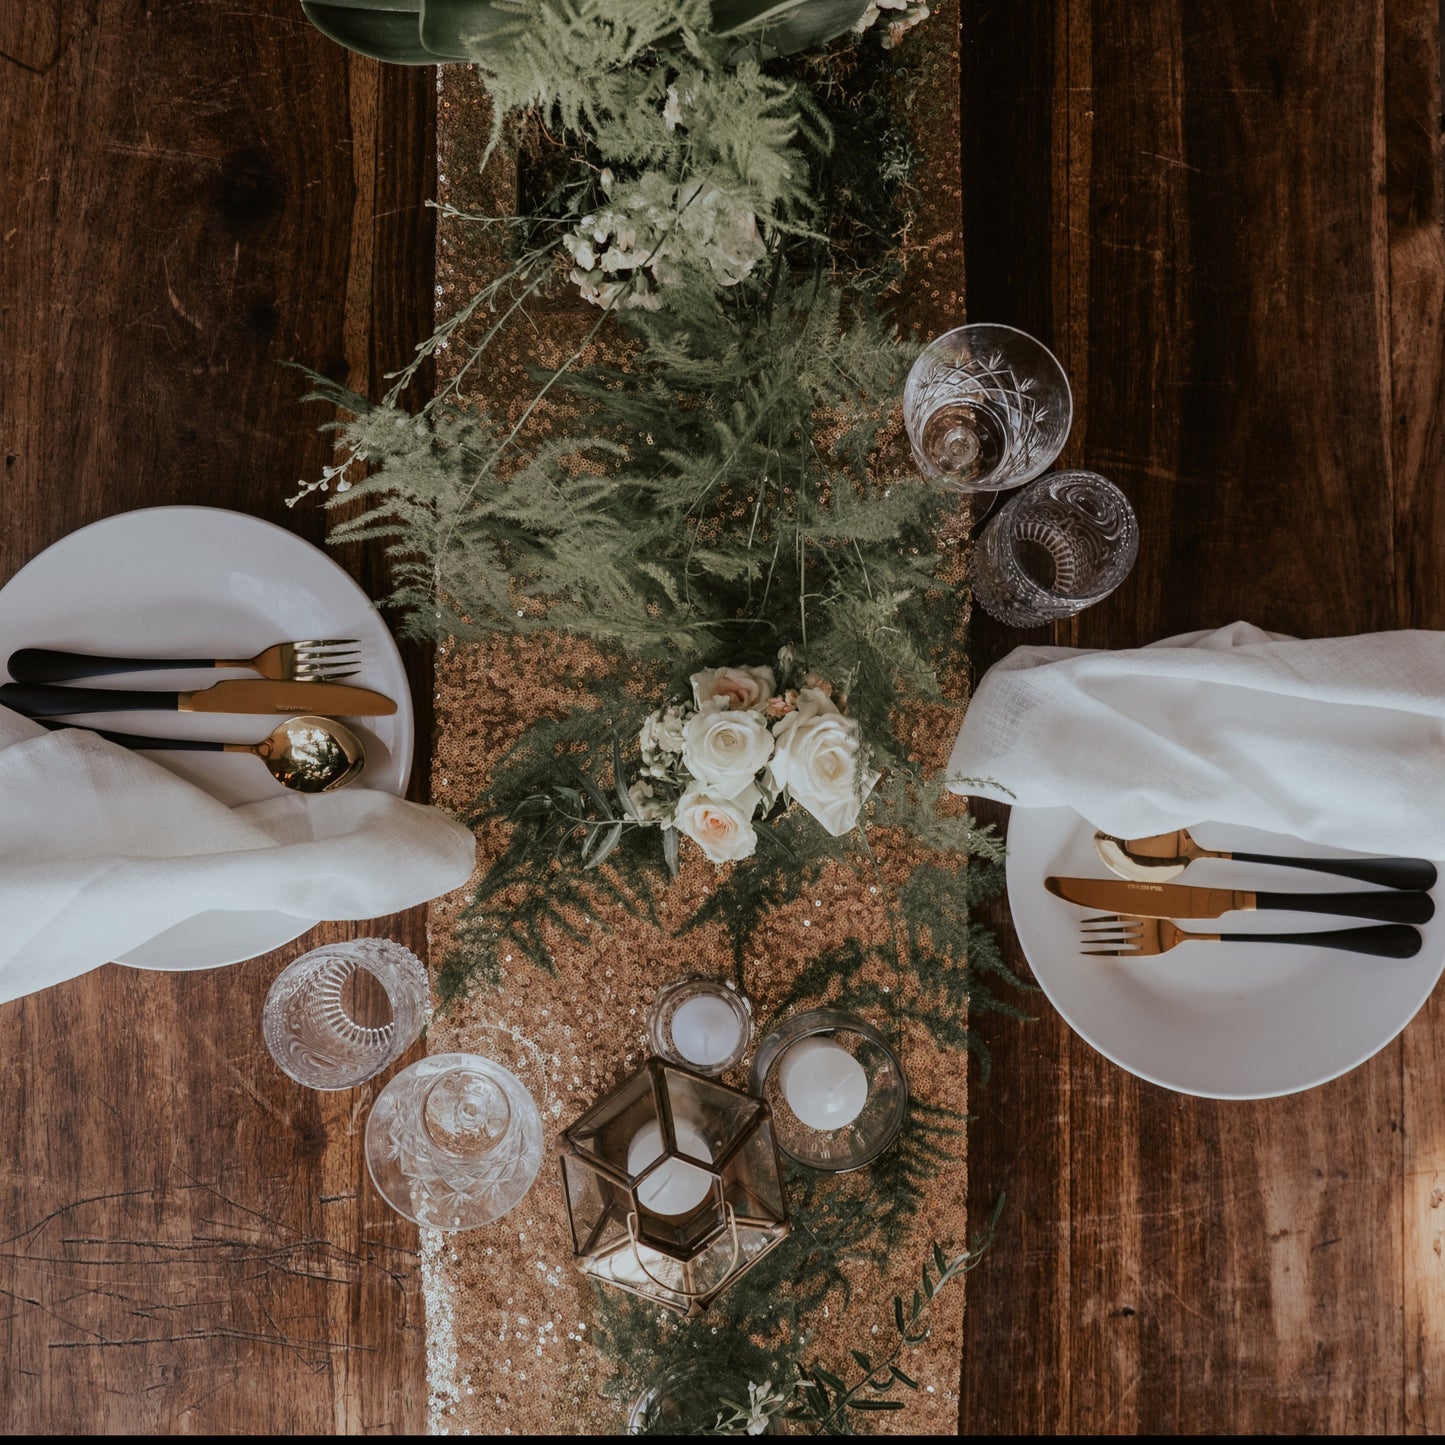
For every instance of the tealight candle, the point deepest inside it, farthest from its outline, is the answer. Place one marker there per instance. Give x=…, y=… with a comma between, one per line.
x=700, y=1023
x=705, y=1030
x=825, y=1086
x=676, y=1187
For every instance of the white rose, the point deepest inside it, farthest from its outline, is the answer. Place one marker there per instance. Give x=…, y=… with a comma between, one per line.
x=725, y=749
x=745, y=688
x=721, y=827
x=816, y=761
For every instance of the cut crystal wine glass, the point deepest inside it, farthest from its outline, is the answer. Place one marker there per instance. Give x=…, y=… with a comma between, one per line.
x=986, y=408
x=454, y=1141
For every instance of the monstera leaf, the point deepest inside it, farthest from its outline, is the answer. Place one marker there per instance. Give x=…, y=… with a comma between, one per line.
x=786, y=26
x=388, y=31
x=447, y=24
x=433, y=32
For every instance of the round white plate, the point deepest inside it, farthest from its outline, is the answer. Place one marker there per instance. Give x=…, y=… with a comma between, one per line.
x=203, y=582
x=1221, y=1020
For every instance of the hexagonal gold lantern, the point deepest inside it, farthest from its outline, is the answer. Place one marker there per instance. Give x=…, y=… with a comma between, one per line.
x=674, y=1186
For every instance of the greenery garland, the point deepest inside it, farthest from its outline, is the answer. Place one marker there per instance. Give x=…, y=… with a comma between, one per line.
x=738, y=487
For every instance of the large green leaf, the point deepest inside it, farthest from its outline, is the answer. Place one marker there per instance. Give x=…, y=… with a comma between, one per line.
x=447, y=24
x=387, y=32
x=787, y=26
x=429, y=32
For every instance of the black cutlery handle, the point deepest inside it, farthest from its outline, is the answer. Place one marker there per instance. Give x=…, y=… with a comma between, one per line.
x=44, y=664
x=1390, y=872
x=1388, y=907
x=40, y=700
x=139, y=740
x=1389, y=940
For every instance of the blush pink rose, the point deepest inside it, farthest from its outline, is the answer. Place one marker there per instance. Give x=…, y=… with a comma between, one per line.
x=744, y=689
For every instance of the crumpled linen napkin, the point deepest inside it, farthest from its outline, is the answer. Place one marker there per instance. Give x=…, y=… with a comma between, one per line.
x=102, y=849
x=1338, y=740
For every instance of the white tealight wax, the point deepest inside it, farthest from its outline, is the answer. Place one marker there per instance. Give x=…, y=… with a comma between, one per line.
x=676, y=1187
x=825, y=1086
x=705, y=1031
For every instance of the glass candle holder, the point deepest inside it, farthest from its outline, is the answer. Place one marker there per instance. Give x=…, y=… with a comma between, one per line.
x=835, y=1087
x=341, y=1013
x=986, y=407
x=700, y=1022
x=454, y=1141
x=687, y=1399
x=1054, y=548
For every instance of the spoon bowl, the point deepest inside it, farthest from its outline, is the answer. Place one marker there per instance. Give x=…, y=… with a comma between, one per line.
x=310, y=754
x=1140, y=866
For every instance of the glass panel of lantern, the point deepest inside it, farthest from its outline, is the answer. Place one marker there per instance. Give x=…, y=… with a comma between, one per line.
x=674, y=1186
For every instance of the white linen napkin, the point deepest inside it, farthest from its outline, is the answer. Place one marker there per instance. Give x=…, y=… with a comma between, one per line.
x=102, y=849
x=1338, y=740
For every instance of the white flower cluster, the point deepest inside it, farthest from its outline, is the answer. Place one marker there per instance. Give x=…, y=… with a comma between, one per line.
x=711, y=767
x=904, y=15
x=653, y=230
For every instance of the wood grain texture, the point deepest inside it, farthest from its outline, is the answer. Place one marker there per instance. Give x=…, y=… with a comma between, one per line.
x=1241, y=272
x=194, y=194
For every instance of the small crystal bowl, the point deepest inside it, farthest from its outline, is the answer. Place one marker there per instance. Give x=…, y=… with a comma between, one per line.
x=708, y=1002
x=862, y=1139
x=687, y=1399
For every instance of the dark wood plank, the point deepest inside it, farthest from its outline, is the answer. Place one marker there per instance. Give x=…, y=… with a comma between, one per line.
x=1251, y=315
x=192, y=195
x=1414, y=209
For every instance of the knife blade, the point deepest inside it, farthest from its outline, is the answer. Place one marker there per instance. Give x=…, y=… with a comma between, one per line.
x=1176, y=900
x=241, y=695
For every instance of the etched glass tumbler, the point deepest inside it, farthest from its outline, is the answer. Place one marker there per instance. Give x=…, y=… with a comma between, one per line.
x=340, y=1014
x=454, y=1141
x=986, y=408
x=1054, y=548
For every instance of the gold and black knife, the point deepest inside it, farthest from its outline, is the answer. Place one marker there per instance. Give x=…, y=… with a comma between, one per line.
x=248, y=695
x=1174, y=900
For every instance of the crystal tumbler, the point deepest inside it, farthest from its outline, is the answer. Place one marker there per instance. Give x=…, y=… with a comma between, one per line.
x=338, y=1015
x=986, y=408
x=1053, y=548
x=454, y=1141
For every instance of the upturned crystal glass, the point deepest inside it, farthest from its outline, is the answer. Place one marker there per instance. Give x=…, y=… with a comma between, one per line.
x=1054, y=548
x=986, y=407
x=341, y=1013
x=454, y=1141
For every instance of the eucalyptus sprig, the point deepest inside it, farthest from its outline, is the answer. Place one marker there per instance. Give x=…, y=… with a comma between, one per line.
x=562, y=812
x=819, y=1400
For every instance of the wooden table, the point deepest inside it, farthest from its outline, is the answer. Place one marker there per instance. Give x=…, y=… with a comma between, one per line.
x=1226, y=218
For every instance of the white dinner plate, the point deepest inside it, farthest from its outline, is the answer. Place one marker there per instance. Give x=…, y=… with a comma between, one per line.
x=1221, y=1020
x=203, y=582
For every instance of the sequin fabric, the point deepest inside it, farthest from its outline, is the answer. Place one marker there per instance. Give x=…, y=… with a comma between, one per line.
x=508, y=1311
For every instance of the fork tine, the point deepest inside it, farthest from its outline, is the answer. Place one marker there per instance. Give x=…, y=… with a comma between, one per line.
x=322, y=674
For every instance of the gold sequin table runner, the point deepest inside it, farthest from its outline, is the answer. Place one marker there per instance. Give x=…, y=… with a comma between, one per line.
x=509, y=1313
